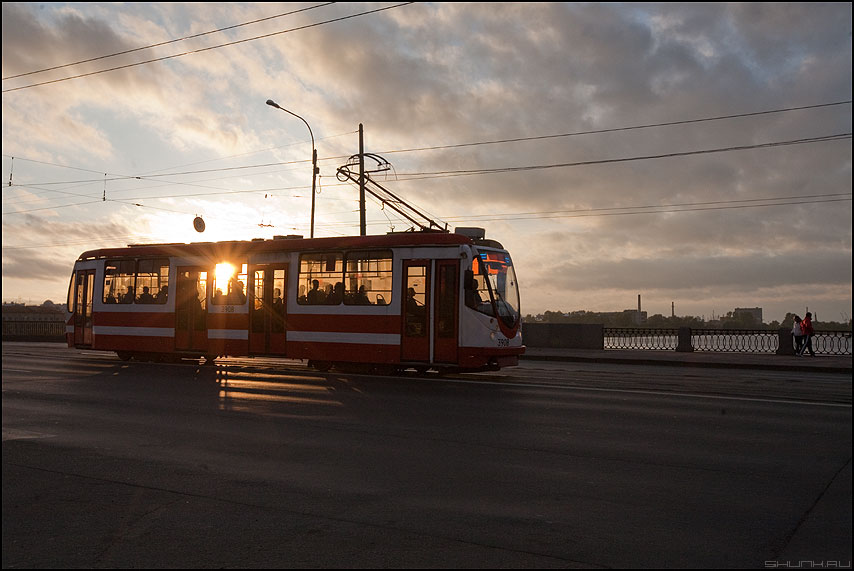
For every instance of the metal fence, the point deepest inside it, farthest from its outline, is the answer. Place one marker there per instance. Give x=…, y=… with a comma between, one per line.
x=47, y=329
x=735, y=340
x=721, y=340
x=641, y=338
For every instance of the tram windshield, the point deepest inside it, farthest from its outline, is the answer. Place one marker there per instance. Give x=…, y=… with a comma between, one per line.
x=495, y=288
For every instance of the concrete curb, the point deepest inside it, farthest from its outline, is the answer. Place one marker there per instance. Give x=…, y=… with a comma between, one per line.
x=838, y=365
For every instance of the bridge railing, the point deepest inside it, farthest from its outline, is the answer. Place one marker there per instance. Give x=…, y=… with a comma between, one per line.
x=34, y=330
x=639, y=338
x=723, y=340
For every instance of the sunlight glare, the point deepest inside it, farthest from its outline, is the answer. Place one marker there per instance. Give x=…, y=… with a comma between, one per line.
x=224, y=271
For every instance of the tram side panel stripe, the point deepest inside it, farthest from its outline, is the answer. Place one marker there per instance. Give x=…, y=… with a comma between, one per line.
x=135, y=319
x=378, y=324
x=134, y=331
x=344, y=352
x=340, y=337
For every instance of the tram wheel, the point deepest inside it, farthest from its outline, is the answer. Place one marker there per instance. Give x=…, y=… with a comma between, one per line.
x=355, y=368
x=322, y=366
x=124, y=355
x=385, y=370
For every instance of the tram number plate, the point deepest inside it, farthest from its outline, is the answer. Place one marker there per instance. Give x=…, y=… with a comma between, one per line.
x=503, y=342
x=229, y=309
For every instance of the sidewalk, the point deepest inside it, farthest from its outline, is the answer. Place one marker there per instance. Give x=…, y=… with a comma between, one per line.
x=769, y=361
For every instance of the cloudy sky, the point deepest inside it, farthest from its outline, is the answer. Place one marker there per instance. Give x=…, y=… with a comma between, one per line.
x=695, y=154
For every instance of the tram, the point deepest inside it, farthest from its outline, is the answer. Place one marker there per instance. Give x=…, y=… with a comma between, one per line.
x=441, y=300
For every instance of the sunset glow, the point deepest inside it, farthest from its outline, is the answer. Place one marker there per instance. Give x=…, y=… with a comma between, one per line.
x=698, y=155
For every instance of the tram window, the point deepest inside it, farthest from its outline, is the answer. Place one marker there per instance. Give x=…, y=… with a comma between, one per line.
x=415, y=309
x=71, y=297
x=321, y=279
x=119, y=276
x=229, y=284
x=368, y=278
x=477, y=290
x=152, y=280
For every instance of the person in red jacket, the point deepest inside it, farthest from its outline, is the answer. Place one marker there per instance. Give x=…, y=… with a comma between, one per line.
x=807, y=331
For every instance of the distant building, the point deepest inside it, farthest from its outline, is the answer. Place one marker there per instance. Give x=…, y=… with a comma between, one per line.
x=638, y=317
x=754, y=312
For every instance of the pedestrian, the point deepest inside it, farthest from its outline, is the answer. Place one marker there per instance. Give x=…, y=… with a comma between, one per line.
x=808, y=332
x=798, y=334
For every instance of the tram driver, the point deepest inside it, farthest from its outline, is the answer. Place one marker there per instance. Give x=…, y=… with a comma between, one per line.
x=473, y=299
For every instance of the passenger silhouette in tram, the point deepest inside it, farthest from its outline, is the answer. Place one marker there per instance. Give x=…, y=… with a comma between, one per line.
x=198, y=308
x=239, y=294
x=416, y=315
x=361, y=297
x=412, y=305
x=235, y=293
x=218, y=298
x=145, y=296
x=278, y=318
x=337, y=295
x=129, y=296
x=314, y=295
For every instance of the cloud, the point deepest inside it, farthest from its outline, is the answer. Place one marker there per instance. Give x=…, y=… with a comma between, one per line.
x=444, y=74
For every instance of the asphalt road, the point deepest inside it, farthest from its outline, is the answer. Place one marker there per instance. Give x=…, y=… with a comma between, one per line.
x=258, y=463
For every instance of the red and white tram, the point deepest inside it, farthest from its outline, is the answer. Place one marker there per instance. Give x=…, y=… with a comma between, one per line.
x=413, y=299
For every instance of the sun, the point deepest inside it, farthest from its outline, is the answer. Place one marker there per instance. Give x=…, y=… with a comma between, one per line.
x=223, y=272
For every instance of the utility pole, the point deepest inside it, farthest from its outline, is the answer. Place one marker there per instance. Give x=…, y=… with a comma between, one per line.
x=362, y=222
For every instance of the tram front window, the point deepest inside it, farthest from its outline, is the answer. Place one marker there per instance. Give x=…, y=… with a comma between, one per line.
x=494, y=288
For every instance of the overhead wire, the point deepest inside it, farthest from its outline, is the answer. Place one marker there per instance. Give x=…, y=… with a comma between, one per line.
x=458, y=145
x=466, y=172
x=618, y=129
x=159, y=44
x=200, y=50
x=420, y=176
x=437, y=174
x=594, y=212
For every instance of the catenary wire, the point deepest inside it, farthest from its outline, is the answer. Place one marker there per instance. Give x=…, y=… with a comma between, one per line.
x=159, y=44
x=200, y=50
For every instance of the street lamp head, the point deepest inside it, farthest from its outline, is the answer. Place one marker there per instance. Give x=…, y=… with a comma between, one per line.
x=314, y=169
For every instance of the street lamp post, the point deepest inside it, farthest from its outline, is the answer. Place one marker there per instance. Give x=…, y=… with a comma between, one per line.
x=314, y=171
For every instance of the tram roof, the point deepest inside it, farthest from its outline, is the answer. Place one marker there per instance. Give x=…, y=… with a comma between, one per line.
x=243, y=247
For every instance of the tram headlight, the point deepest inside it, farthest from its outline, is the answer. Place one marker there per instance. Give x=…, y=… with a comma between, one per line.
x=492, y=336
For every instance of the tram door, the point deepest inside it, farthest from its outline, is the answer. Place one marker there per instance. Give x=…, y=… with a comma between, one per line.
x=415, y=338
x=191, y=329
x=446, y=300
x=267, y=309
x=83, y=307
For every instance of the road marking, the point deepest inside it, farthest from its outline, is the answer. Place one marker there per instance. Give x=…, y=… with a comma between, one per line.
x=642, y=392
x=17, y=434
